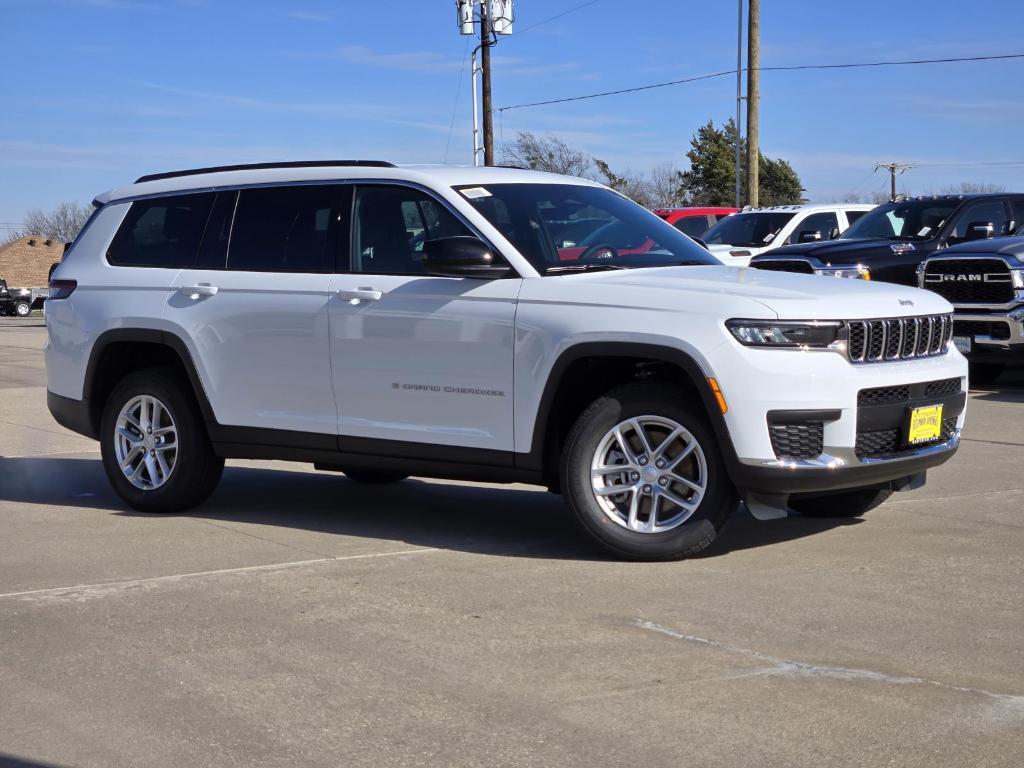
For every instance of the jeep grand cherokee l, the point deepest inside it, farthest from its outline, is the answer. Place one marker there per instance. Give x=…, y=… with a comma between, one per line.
x=391, y=321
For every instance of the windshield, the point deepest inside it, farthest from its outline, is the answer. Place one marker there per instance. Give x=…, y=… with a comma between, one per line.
x=752, y=230
x=907, y=220
x=562, y=227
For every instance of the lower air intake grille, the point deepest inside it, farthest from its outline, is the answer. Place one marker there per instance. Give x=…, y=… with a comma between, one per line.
x=797, y=441
x=880, y=445
x=788, y=265
x=994, y=330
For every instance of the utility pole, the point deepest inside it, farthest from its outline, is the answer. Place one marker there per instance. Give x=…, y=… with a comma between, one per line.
x=893, y=169
x=485, y=66
x=739, y=94
x=476, y=112
x=495, y=17
x=753, y=99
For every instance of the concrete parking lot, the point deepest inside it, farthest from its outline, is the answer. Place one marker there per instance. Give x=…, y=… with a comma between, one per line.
x=301, y=619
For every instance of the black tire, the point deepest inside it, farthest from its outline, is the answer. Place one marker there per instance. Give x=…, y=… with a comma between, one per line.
x=22, y=309
x=848, y=504
x=584, y=439
x=196, y=471
x=374, y=476
x=983, y=374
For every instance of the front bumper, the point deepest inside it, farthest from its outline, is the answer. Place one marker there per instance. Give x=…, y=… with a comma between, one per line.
x=1013, y=320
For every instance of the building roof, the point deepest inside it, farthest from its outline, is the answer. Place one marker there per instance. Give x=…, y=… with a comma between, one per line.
x=26, y=262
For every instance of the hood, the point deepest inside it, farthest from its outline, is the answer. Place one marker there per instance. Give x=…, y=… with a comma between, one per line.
x=741, y=292
x=723, y=254
x=842, y=252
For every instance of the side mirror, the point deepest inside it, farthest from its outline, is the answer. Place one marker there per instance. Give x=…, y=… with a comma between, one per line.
x=809, y=236
x=834, y=233
x=701, y=243
x=462, y=256
x=980, y=230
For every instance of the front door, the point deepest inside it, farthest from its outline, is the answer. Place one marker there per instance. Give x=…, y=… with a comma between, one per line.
x=417, y=358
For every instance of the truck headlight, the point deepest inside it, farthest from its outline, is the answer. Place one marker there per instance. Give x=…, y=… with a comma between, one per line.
x=855, y=272
x=791, y=334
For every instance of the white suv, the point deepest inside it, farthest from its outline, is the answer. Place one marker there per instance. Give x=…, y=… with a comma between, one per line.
x=736, y=239
x=388, y=321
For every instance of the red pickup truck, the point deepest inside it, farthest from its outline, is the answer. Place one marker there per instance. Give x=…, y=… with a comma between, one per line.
x=694, y=221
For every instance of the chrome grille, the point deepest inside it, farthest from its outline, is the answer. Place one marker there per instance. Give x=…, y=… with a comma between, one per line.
x=898, y=338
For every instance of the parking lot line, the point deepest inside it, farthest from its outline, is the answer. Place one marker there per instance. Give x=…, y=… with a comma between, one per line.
x=104, y=588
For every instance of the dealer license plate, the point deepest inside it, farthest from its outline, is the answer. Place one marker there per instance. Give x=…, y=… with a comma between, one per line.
x=925, y=424
x=962, y=343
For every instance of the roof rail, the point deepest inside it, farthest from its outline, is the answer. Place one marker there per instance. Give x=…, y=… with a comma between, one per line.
x=266, y=166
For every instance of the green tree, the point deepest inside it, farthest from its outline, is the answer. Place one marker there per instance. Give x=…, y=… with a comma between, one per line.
x=711, y=178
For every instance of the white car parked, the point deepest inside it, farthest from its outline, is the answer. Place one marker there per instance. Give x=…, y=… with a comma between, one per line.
x=388, y=321
x=736, y=239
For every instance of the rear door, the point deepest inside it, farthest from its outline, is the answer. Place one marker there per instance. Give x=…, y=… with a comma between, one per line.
x=253, y=309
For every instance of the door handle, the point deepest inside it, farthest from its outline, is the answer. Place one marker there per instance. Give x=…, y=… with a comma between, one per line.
x=359, y=295
x=195, y=292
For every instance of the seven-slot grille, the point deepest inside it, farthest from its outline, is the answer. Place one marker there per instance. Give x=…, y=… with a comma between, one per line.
x=899, y=338
x=785, y=265
x=970, y=281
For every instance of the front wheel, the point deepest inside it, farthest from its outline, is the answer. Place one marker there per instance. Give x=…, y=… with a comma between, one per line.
x=848, y=504
x=22, y=309
x=642, y=472
x=156, y=451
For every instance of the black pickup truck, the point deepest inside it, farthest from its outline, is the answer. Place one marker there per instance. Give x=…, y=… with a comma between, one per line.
x=891, y=241
x=14, y=302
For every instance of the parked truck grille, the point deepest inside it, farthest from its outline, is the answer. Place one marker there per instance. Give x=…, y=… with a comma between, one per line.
x=970, y=281
x=1000, y=331
x=899, y=338
x=798, y=441
x=887, y=442
x=786, y=265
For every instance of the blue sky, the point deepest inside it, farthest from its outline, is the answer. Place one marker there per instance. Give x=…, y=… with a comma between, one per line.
x=97, y=92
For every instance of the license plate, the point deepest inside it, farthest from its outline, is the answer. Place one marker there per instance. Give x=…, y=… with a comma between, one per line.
x=962, y=343
x=925, y=424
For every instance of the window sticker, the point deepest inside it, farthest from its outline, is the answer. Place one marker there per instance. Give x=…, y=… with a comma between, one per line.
x=473, y=193
x=924, y=231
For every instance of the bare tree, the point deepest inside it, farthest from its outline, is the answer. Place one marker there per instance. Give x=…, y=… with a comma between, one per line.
x=665, y=182
x=546, y=153
x=970, y=187
x=62, y=224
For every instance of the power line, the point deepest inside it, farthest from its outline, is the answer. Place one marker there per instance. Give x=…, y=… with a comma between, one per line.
x=792, y=68
x=553, y=18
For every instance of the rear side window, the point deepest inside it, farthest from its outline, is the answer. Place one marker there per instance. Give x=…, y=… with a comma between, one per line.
x=285, y=229
x=163, y=232
x=852, y=216
x=694, y=226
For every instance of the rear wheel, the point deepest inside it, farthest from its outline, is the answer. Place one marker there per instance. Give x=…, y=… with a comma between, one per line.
x=22, y=309
x=156, y=451
x=848, y=504
x=642, y=472
x=984, y=373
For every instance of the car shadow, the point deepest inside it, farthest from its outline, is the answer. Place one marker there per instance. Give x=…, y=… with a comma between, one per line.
x=1008, y=388
x=513, y=521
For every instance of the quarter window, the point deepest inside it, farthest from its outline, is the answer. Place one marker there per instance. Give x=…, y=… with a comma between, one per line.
x=284, y=229
x=391, y=225
x=163, y=232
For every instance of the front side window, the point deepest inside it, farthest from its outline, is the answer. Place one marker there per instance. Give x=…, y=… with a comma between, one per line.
x=390, y=226
x=285, y=229
x=987, y=212
x=751, y=230
x=162, y=232
x=694, y=226
x=852, y=216
x=817, y=226
x=618, y=233
x=905, y=220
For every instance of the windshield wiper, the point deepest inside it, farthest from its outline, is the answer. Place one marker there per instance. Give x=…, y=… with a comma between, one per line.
x=569, y=268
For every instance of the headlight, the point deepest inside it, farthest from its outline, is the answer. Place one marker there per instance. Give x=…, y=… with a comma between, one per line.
x=1017, y=275
x=810, y=334
x=856, y=272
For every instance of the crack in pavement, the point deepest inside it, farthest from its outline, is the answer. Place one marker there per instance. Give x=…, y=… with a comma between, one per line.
x=790, y=668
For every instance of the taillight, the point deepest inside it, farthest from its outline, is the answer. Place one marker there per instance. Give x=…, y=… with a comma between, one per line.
x=61, y=289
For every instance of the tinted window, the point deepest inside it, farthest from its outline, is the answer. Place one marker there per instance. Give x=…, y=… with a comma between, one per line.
x=164, y=232
x=213, y=253
x=822, y=223
x=904, y=220
x=284, y=229
x=1017, y=207
x=694, y=226
x=852, y=216
x=390, y=226
x=530, y=216
x=747, y=229
x=986, y=212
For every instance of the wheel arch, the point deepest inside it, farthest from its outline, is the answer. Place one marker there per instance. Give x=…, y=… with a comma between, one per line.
x=148, y=346
x=550, y=423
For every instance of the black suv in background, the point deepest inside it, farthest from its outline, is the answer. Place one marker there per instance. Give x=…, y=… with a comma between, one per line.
x=891, y=241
